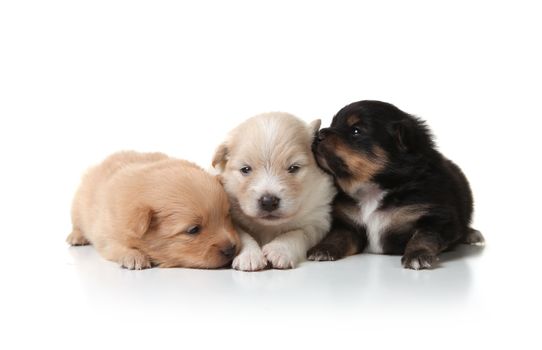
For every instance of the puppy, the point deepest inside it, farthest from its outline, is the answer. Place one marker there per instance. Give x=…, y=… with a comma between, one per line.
x=146, y=209
x=280, y=198
x=399, y=194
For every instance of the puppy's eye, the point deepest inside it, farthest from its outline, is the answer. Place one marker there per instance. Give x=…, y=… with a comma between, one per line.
x=294, y=168
x=192, y=230
x=245, y=170
x=356, y=131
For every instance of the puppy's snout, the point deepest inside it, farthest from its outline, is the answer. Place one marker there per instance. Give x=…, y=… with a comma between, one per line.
x=229, y=251
x=269, y=202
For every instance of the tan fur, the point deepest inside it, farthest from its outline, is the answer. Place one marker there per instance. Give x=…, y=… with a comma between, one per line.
x=363, y=167
x=351, y=120
x=135, y=208
x=406, y=216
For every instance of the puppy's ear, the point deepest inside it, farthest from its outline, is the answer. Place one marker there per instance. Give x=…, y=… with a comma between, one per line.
x=139, y=220
x=410, y=135
x=221, y=157
x=314, y=126
x=398, y=130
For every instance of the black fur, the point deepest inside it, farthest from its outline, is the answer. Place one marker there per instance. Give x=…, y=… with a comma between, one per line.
x=414, y=173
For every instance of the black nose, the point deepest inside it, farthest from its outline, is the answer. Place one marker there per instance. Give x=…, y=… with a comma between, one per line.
x=269, y=202
x=229, y=251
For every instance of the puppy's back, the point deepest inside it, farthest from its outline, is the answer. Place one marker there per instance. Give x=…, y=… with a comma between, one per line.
x=88, y=206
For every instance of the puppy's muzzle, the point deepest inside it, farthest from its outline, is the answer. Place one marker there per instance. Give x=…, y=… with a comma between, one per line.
x=229, y=251
x=269, y=202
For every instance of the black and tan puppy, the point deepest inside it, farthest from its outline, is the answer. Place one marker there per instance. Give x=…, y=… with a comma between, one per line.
x=399, y=194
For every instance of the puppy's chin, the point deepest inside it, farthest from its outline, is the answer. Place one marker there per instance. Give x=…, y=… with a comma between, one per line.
x=269, y=219
x=272, y=220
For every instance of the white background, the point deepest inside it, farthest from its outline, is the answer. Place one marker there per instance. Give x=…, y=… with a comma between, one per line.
x=80, y=80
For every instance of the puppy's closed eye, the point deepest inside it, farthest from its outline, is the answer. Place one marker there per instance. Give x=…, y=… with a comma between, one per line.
x=193, y=230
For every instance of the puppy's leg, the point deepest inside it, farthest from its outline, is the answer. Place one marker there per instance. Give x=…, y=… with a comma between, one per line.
x=126, y=257
x=421, y=250
x=76, y=237
x=341, y=242
x=251, y=257
x=290, y=248
x=433, y=234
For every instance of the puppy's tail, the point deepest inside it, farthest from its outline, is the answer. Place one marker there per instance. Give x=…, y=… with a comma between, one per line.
x=474, y=237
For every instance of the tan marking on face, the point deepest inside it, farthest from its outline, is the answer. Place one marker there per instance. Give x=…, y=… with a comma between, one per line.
x=361, y=166
x=351, y=120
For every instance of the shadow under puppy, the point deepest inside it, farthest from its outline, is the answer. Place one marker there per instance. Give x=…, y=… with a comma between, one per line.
x=399, y=195
x=280, y=198
x=147, y=209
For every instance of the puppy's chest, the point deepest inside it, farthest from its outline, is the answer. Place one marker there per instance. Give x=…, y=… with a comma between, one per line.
x=368, y=213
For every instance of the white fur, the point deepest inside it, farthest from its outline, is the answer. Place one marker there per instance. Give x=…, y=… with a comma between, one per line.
x=414, y=264
x=269, y=143
x=378, y=221
x=251, y=257
x=375, y=221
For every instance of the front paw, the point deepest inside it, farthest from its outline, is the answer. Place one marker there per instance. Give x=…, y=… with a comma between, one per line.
x=418, y=260
x=324, y=252
x=134, y=260
x=250, y=260
x=279, y=256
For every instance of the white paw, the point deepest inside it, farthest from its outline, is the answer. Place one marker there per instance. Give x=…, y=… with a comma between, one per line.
x=279, y=256
x=250, y=260
x=134, y=260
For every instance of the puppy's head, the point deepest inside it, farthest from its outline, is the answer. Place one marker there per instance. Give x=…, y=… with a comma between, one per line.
x=184, y=220
x=265, y=165
x=364, y=138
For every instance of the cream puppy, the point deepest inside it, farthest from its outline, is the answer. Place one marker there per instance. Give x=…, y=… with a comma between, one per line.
x=147, y=209
x=280, y=199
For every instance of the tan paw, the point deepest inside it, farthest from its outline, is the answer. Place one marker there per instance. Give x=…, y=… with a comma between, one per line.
x=77, y=238
x=250, y=260
x=279, y=255
x=134, y=260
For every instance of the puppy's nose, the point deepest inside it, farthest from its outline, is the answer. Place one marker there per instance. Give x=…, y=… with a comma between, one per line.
x=269, y=202
x=229, y=251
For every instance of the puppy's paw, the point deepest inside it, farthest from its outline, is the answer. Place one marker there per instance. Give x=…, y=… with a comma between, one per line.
x=324, y=252
x=418, y=260
x=250, y=260
x=77, y=238
x=475, y=237
x=279, y=255
x=133, y=259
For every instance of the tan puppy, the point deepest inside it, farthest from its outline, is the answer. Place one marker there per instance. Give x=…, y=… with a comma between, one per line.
x=144, y=209
x=281, y=199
